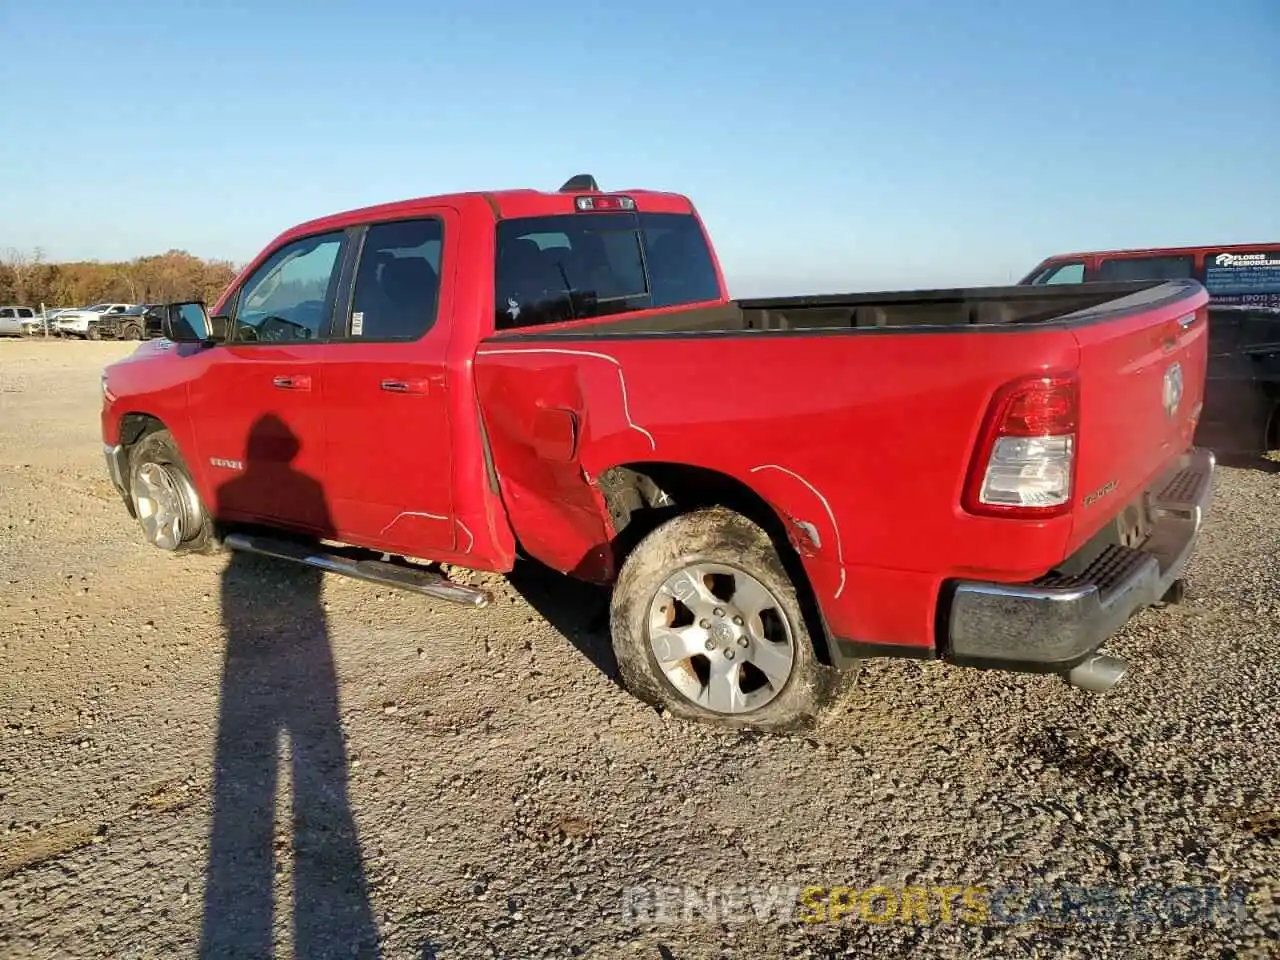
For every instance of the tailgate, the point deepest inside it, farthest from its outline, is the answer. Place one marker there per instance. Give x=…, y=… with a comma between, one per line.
x=1142, y=373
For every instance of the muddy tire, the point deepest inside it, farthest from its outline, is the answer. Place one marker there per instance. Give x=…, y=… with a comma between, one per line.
x=164, y=498
x=131, y=331
x=93, y=333
x=707, y=625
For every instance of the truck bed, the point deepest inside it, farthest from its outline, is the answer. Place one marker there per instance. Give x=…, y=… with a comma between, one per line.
x=861, y=430
x=959, y=308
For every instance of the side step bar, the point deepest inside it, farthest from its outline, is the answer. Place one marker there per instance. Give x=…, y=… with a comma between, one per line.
x=374, y=571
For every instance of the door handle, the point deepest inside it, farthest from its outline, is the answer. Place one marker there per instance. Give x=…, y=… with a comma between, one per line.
x=404, y=386
x=292, y=383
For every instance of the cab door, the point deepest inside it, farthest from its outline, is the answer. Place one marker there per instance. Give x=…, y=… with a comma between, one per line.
x=387, y=453
x=259, y=420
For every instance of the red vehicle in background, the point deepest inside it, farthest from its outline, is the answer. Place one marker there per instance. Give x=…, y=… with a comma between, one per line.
x=1242, y=393
x=773, y=489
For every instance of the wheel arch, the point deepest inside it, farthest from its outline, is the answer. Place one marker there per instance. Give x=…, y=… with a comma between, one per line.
x=132, y=428
x=640, y=496
x=135, y=426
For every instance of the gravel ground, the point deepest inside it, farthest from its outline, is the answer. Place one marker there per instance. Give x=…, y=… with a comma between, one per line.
x=402, y=778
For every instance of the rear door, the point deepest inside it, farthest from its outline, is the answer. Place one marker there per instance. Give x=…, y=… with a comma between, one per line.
x=1247, y=282
x=1244, y=327
x=387, y=454
x=258, y=419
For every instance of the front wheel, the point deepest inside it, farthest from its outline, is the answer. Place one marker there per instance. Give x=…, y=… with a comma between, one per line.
x=164, y=498
x=93, y=333
x=707, y=625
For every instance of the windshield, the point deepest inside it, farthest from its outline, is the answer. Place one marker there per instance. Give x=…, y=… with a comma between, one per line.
x=96, y=308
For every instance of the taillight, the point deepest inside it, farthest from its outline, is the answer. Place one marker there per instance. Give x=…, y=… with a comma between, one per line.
x=1025, y=462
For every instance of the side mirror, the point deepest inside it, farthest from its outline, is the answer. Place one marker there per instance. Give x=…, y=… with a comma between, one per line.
x=188, y=322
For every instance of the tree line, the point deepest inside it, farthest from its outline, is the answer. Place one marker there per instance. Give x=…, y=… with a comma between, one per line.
x=28, y=279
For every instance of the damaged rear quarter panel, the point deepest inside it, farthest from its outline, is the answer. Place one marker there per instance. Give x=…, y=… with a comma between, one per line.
x=549, y=443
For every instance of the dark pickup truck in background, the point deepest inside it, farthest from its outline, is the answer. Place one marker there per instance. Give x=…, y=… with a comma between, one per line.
x=773, y=489
x=1242, y=390
x=139, y=322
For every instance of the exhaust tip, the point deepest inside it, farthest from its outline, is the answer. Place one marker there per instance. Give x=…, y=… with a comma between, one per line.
x=1099, y=673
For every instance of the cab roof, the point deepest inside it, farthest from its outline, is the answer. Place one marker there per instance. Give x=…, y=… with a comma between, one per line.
x=500, y=204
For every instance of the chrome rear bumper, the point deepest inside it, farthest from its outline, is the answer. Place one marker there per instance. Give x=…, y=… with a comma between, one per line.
x=1056, y=622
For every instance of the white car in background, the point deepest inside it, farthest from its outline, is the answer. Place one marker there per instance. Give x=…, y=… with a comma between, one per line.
x=12, y=319
x=81, y=322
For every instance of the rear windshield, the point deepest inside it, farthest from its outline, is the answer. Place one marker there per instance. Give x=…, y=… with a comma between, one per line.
x=576, y=266
x=1248, y=280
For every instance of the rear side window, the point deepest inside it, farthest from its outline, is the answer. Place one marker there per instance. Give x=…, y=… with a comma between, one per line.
x=26, y=312
x=576, y=266
x=397, y=288
x=1147, y=268
x=1250, y=279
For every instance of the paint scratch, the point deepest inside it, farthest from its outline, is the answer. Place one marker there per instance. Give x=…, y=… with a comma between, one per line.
x=622, y=383
x=825, y=505
x=471, y=540
x=409, y=513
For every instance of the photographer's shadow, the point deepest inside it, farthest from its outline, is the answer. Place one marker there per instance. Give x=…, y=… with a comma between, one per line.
x=280, y=697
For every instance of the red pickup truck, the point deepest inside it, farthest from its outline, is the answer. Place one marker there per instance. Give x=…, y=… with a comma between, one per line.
x=774, y=489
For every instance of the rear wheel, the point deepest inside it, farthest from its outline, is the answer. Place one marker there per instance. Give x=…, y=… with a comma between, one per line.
x=707, y=625
x=164, y=498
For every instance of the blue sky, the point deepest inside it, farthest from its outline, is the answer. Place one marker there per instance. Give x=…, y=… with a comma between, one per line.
x=829, y=145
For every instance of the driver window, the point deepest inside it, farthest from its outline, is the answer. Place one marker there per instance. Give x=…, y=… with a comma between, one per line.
x=289, y=298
